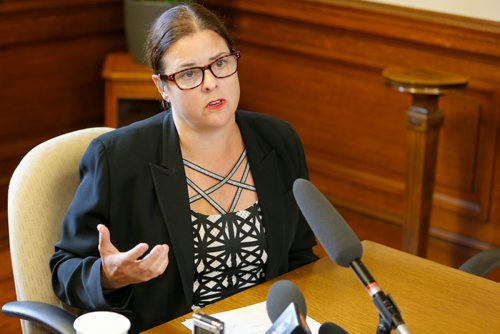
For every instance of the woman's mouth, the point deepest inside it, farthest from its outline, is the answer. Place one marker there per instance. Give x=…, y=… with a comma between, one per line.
x=216, y=104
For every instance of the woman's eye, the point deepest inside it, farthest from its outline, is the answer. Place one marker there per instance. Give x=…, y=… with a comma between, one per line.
x=187, y=74
x=221, y=63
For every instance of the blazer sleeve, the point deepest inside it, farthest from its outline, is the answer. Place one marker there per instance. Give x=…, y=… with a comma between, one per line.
x=300, y=252
x=76, y=263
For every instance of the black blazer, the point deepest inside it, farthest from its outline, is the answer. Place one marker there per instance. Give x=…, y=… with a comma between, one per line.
x=133, y=181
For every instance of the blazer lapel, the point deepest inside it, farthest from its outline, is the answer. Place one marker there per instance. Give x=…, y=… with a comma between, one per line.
x=264, y=167
x=170, y=184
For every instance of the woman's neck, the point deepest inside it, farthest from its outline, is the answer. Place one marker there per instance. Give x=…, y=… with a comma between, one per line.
x=210, y=147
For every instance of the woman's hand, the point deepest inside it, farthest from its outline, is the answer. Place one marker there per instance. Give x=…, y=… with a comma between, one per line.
x=120, y=269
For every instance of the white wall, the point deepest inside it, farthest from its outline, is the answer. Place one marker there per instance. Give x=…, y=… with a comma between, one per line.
x=481, y=9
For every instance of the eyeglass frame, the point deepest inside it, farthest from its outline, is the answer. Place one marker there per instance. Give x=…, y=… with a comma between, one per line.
x=171, y=77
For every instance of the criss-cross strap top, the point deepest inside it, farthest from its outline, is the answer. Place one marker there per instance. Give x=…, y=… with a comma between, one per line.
x=200, y=193
x=229, y=247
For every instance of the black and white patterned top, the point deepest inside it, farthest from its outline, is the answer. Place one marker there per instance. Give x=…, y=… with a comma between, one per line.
x=229, y=247
x=229, y=254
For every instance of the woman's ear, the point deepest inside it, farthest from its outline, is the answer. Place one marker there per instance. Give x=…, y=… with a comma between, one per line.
x=160, y=85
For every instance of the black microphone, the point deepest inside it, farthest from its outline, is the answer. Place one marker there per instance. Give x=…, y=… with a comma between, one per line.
x=286, y=308
x=331, y=328
x=344, y=248
x=280, y=295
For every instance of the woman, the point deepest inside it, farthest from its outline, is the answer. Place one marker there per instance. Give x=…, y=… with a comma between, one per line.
x=206, y=187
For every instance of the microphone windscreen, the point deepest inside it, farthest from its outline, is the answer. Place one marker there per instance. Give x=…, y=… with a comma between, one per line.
x=280, y=295
x=335, y=235
x=331, y=328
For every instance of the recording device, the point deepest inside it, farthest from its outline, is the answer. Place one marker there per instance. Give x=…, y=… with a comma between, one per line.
x=344, y=248
x=286, y=308
x=205, y=324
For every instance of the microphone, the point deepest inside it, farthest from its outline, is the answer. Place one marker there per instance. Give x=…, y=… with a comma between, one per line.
x=280, y=295
x=344, y=248
x=331, y=328
x=286, y=308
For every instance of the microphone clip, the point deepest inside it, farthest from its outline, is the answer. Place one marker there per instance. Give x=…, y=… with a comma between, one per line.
x=389, y=315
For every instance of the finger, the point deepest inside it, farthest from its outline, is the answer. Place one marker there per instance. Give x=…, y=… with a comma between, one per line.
x=161, y=262
x=136, y=252
x=165, y=262
x=105, y=246
x=153, y=263
x=154, y=254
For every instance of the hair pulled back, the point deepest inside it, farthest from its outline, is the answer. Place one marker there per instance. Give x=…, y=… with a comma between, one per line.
x=177, y=22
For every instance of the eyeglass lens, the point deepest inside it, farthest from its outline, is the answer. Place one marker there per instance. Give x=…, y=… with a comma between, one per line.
x=220, y=68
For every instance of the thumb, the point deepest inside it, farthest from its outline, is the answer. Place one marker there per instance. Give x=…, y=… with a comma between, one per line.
x=105, y=245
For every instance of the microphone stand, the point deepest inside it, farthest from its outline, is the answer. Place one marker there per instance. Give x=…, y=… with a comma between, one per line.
x=389, y=315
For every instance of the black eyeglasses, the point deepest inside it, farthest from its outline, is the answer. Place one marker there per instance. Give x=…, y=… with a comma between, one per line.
x=192, y=77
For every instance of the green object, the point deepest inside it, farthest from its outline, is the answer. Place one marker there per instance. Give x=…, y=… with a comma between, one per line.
x=138, y=17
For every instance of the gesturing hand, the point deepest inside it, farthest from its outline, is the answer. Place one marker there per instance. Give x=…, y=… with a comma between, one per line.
x=123, y=268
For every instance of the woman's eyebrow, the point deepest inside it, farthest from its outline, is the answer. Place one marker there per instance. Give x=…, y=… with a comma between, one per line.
x=210, y=59
x=219, y=55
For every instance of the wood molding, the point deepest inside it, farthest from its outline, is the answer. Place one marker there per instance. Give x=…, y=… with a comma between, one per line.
x=25, y=22
x=12, y=6
x=392, y=22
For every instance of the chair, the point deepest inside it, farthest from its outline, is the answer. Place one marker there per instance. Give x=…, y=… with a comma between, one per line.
x=40, y=191
x=482, y=263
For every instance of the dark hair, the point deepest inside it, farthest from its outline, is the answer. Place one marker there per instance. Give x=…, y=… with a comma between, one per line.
x=177, y=22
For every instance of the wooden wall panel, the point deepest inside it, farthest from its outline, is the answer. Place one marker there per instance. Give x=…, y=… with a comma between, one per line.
x=318, y=64
x=51, y=55
x=333, y=130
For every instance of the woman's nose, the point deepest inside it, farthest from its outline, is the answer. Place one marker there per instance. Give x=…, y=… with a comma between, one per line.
x=209, y=81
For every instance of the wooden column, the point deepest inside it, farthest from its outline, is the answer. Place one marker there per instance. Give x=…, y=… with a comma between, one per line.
x=423, y=122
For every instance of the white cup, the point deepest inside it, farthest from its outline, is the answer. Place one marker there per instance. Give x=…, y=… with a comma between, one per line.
x=101, y=322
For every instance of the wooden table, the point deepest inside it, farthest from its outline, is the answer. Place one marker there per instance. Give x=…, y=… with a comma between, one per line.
x=125, y=79
x=432, y=298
